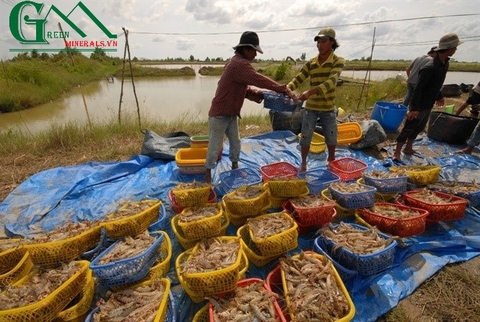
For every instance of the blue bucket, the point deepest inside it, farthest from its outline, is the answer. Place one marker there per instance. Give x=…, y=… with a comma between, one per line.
x=389, y=115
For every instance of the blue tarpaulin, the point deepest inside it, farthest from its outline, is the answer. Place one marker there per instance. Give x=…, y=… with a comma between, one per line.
x=91, y=191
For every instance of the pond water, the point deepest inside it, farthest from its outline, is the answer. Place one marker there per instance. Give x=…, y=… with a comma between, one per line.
x=169, y=99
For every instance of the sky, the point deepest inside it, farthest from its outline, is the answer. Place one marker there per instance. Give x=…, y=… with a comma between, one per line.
x=161, y=29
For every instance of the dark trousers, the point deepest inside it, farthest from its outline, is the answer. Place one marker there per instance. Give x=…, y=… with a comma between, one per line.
x=412, y=128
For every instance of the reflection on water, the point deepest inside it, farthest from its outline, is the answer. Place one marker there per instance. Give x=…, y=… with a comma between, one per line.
x=167, y=99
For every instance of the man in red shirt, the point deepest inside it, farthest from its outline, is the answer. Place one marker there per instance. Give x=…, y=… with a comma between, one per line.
x=233, y=87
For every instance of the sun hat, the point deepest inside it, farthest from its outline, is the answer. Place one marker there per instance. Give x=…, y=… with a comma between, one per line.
x=448, y=41
x=432, y=50
x=249, y=38
x=325, y=32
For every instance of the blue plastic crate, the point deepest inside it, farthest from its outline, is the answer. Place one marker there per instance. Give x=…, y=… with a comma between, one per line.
x=354, y=200
x=318, y=179
x=129, y=270
x=103, y=244
x=370, y=264
x=387, y=185
x=237, y=178
x=345, y=273
x=162, y=222
x=279, y=102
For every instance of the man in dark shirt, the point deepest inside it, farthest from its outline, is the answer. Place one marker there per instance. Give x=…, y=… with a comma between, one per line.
x=426, y=92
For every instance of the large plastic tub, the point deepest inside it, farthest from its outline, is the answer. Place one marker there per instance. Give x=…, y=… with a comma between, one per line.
x=389, y=115
x=450, y=128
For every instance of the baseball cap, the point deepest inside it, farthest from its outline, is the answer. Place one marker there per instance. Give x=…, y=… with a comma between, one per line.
x=249, y=38
x=325, y=32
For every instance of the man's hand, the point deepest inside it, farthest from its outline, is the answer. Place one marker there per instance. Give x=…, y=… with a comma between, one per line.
x=411, y=115
x=292, y=95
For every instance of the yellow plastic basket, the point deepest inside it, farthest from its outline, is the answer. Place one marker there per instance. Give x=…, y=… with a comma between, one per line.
x=246, y=207
x=420, y=174
x=318, y=143
x=198, y=297
x=287, y=188
x=65, y=250
x=48, y=308
x=203, y=284
x=192, y=197
x=277, y=244
x=202, y=315
x=351, y=312
x=9, y=258
x=21, y=269
x=202, y=228
x=349, y=132
x=189, y=243
x=239, y=220
x=251, y=250
x=80, y=307
x=132, y=225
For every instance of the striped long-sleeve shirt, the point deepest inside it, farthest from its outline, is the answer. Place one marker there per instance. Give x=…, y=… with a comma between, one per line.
x=322, y=77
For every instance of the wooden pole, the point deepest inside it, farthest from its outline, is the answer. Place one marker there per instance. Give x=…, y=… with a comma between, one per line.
x=123, y=79
x=133, y=80
x=367, y=74
x=66, y=44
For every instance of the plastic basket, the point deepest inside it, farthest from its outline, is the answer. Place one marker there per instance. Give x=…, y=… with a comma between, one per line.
x=212, y=198
x=317, y=145
x=279, y=243
x=192, y=197
x=345, y=273
x=201, y=228
x=351, y=307
x=387, y=185
x=456, y=188
x=277, y=202
x=81, y=305
x=278, y=169
x=279, y=102
x=9, y=258
x=99, y=248
x=249, y=206
x=287, y=188
x=237, y=178
x=134, y=224
x=401, y=227
x=202, y=284
x=49, y=307
x=420, y=175
x=239, y=220
x=370, y=264
x=349, y=132
x=342, y=212
x=189, y=243
x=311, y=216
x=453, y=208
x=165, y=306
x=202, y=315
x=354, y=200
x=245, y=283
x=251, y=249
x=318, y=179
x=63, y=251
x=347, y=168
x=162, y=221
x=128, y=270
x=21, y=269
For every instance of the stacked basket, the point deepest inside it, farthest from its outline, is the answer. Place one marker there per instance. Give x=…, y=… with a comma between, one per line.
x=238, y=210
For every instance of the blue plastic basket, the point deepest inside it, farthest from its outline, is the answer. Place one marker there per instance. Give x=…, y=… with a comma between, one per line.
x=345, y=273
x=370, y=264
x=387, y=185
x=162, y=222
x=103, y=244
x=279, y=102
x=129, y=270
x=354, y=200
x=237, y=178
x=318, y=179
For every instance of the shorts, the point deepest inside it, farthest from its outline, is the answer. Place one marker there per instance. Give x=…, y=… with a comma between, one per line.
x=473, y=99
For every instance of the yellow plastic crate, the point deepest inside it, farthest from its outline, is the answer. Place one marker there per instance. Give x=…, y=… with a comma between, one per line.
x=132, y=225
x=202, y=228
x=48, y=308
x=65, y=250
x=351, y=312
x=192, y=197
x=9, y=258
x=202, y=315
x=188, y=157
x=82, y=306
x=420, y=174
x=239, y=220
x=287, y=188
x=21, y=269
x=277, y=244
x=203, y=284
x=246, y=207
x=318, y=144
x=251, y=250
x=349, y=132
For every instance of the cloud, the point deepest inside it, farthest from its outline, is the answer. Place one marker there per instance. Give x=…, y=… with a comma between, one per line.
x=184, y=44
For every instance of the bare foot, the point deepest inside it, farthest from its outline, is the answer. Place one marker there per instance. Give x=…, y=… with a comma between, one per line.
x=208, y=176
x=409, y=151
x=234, y=165
x=465, y=151
x=303, y=167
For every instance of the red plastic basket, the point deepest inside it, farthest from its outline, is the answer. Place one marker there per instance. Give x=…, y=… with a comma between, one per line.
x=347, y=168
x=311, y=216
x=453, y=208
x=401, y=227
x=278, y=169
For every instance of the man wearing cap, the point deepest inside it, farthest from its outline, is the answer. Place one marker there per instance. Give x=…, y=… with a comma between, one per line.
x=430, y=80
x=323, y=71
x=233, y=87
x=412, y=73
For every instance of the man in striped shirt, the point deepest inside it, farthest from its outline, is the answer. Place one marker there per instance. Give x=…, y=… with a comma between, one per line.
x=323, y=71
